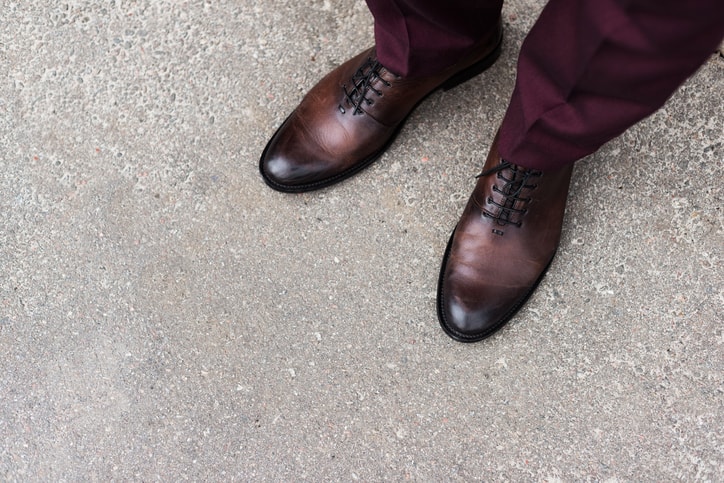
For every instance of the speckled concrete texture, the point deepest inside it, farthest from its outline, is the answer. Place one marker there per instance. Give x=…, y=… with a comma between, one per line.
x=166, y=316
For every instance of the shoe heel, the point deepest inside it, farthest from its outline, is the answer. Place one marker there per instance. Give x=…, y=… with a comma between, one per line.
x=475, y=69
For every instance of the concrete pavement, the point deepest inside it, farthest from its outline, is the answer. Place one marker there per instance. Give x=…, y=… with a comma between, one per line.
x=166, y=316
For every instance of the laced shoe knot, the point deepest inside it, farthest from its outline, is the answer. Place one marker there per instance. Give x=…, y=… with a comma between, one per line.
x=510, y=195
x=357, y=94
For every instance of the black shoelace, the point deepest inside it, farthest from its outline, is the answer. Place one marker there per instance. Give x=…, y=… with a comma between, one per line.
x=512, y=193
x=362, y=82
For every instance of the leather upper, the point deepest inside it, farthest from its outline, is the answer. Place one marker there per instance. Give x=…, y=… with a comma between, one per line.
x=350, y=117
x=502, y=246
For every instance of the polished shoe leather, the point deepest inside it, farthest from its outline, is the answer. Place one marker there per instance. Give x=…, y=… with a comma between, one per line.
x=352, y=115
x=502, y=246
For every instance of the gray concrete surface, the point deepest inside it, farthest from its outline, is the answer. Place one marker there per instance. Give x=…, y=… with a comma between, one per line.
x=166, y=316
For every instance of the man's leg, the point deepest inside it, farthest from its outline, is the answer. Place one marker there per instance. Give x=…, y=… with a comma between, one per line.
x=587, y=71
x=417, y=38
x=352, y=115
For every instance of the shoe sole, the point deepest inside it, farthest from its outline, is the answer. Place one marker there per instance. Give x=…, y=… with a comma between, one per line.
x=454, y=81
x=469, y=338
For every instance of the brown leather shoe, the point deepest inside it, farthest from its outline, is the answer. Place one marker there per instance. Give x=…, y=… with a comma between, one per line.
x=501, y=248
x=352, y=115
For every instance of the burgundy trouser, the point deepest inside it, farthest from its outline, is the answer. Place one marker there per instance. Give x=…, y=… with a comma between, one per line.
x=587, y=71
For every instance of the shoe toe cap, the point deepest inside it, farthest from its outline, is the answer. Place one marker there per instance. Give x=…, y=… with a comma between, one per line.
x=279, y=168
x=468, y=324
x=286, y=172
